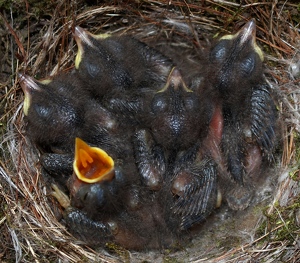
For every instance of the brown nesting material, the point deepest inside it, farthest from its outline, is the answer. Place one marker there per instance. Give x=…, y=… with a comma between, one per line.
x=36, y=38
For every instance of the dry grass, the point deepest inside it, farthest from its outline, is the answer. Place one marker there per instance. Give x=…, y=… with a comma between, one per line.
x=36, y=38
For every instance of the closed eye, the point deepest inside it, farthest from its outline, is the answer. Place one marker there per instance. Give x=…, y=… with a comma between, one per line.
x=93, y=69
x=247, y=65
x=219, y=51
x=159, y=104
x=191, y=103
x=42, y=110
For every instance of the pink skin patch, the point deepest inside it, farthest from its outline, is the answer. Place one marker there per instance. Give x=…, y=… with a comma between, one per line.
x=213, y=140
x=254, y=159
x=216, y=124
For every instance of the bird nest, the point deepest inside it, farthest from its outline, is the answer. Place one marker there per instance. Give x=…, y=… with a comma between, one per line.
x=36, y=37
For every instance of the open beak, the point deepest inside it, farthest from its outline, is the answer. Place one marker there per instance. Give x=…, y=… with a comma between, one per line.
x=92, y=164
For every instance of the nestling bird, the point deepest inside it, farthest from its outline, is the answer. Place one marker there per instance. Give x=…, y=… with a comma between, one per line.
x=59, y=109
x=109, y=204
x=178, y=117
x=248, y=110
x=54, y=111
x=169, y=153
x=139, y=229
x=237, y=63
x=119, y=70
x=99, y=183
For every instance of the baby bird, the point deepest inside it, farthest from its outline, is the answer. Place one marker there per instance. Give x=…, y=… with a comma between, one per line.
x=119, y=70
x=54, y=111
x=178, y=117
x=139, y=229
x=58, y=110
x=108, y=203
x=247, y=107
x=99, y=184
x=169, y=153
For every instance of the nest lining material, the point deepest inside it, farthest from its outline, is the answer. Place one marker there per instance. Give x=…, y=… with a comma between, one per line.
x=28, y=223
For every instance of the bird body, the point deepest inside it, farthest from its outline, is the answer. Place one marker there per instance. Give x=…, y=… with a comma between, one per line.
x=248, y=110
x=57, y=111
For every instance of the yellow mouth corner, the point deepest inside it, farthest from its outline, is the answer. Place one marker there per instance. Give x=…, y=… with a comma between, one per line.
x=175, y=79
x=247, y=32
x=83, y=37
x=28, y=86
x=92, y=164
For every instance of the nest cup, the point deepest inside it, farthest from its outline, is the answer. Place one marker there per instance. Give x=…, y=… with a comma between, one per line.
x=43, y=45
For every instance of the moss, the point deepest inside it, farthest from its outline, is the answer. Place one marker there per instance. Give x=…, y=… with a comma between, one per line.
x=282, y=224
x=295, y=175
x=296, y=15
x=5, y=4
x=120, y=251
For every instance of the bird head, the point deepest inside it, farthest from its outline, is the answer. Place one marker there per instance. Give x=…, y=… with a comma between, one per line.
x=52, y=112
x=236, y=61
x=175, y=111
x=87, y=44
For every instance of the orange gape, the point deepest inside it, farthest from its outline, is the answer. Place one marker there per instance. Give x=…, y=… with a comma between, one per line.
x=92, y=164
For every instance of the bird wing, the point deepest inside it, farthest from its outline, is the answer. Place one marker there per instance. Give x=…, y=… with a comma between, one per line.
x=199, y=197
x=263, y=116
